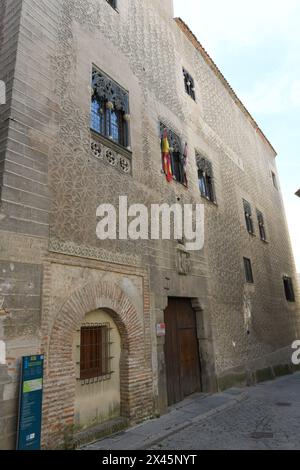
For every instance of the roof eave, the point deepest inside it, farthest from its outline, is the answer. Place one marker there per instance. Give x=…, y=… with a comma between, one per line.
x=190, y=35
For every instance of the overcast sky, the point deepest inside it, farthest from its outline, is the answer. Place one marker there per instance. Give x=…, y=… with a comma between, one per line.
x=257, y=47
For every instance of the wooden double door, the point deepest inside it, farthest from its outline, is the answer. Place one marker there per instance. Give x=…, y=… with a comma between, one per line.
x=181, y=350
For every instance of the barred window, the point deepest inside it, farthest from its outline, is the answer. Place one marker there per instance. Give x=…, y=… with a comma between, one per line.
x=261, y=225
x=248, y=217
x=206, y=178
x=94, y=351
x=189, y=84
x=289, y=289
x=248, y=270
x=110, y=109
x=174, y=155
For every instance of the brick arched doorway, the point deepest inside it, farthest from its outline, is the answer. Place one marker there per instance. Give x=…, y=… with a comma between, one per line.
x=60, y=375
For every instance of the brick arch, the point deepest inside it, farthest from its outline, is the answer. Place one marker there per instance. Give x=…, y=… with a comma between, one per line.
x=60, y=379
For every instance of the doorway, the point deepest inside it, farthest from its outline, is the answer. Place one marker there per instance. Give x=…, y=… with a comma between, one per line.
x=181, y=350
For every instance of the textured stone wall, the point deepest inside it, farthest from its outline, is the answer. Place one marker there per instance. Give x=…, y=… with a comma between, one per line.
x=52, y=183
x=151, y=51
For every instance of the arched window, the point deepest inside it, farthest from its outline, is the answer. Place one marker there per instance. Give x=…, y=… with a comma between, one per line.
x=176, y=167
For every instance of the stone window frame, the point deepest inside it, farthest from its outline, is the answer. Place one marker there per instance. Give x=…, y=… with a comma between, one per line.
x=102, y=147
x=189, y=84
x=248, y=270
x=289, y=289
x=248, y=217
x=205, y=166
x=113, y=98
x=176, y=142
x=261, y=225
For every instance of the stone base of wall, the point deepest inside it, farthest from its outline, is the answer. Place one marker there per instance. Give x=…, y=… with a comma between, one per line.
x=98, y=432
x=267, y=368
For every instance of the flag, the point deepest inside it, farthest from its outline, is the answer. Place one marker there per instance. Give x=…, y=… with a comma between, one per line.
x=166, y=157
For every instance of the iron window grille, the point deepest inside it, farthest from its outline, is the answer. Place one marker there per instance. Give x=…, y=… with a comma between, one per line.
x=176, y=154
x=95, y=358
x=261, y=225
x=189, y=84
x=248, y=217
x=206, y=178
x=248, y=270
x=110, y=109
x=289, y=289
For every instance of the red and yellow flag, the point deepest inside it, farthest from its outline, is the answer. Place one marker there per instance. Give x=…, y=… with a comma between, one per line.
x=166, y=157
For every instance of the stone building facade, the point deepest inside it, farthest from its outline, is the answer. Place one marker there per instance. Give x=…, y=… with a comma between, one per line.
x=57, y=277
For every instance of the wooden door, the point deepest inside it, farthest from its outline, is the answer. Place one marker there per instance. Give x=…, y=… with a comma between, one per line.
x=181, y=350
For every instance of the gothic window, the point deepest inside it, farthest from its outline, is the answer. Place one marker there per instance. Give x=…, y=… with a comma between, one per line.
x=248, y=270
x=205, y=178
x=189, y=84
x=110, y=109
x=174, y=156
x=94, y=351
x=248, y=217
x=261, y=225
x=289, y=289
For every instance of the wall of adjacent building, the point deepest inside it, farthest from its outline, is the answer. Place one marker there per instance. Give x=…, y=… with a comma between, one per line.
x=51, y=186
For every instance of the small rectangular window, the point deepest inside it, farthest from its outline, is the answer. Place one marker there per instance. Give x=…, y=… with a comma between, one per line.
x=289, y=289
x=261, y=225
x=94, y=351
x=205, y=178
x=248, y=270
x=248, y=217
x=274, y=179
x=189, y=84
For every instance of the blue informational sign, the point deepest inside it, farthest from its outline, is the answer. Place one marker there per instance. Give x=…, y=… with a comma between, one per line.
x=30, y=409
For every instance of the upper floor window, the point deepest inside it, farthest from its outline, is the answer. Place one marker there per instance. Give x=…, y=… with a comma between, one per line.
x=112, y=3
x=289, y=289
x=261, y=225
x=248, y=217
x=189, y=84
x=174, y=156
x=205, y=178
x=248, y=270
x=110, y=109
x=274, y=179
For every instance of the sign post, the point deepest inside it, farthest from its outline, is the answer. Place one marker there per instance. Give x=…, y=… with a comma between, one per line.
x=30, y=403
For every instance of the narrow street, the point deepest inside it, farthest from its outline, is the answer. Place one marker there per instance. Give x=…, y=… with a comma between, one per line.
x=266, y=416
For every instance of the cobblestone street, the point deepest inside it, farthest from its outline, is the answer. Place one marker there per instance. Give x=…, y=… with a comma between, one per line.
x=266, y=416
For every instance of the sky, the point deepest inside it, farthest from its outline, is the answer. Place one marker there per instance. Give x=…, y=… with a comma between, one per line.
x=256, y=45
